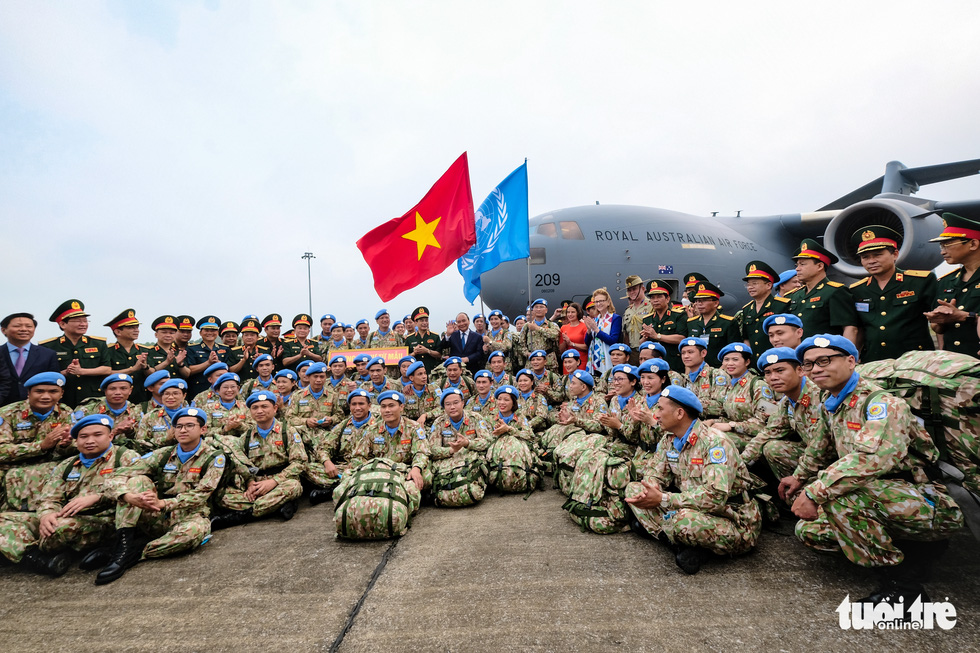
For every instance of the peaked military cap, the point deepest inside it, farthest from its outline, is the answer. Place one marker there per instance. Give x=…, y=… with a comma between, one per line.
x=707, y=290
x=124, y=319
x=165, y=322
x=228, y=326
x=273, y=319
x=760, y=270
x=209, y=322
x=810, y=248
x=68, y=309
x=957, y=226
x=654, y=287
x=692, y=278
x=250, y=325
x=421, y=311
x=302, y=318
x=875, y=237
x=185, y=322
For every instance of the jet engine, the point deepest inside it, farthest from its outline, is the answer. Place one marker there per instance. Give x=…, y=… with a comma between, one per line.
x=916, y=223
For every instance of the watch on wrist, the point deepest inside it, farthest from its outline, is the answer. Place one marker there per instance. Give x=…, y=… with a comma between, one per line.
x=664, y=500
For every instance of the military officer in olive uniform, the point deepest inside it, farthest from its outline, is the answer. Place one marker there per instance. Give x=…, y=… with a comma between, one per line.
x=126, y=356
x=758, y=279
x=891, y=302
x=640, y=306
x=202, y=355
x=229, y=334
x=665, y=325
x=425, y=346
x=712, y=325
x=165, y=355
x=84, y=360
x=301, y=347
x=958, y=298
x=823, y=305
x=272, y=325
x=691, y=281
x=241, y=358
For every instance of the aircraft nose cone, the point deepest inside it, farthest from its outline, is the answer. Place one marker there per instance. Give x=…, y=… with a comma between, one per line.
x=505, y=288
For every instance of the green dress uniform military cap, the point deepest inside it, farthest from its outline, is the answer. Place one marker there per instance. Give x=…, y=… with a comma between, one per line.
x=226, y=327
x=68, y=309
x=209, y=322
x=875, y=237
x=165, y=322
x=124, y=319
x=707, y=290
x=692, y=278
x=654, y=287
x=185, y=322
x=421, y=311
x=810, y=248
x=956, y=226
x=273, y=319
x=250, y=326
x=760, y=270
x=302, y=318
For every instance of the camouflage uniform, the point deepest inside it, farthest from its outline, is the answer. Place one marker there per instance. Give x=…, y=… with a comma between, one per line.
x=444, y=463
x=70, y=479
x=647, y=440
x=555, y=394
x=503, y=341
x=626, y=437
x=24, y=466
x=534, y=409
x=586, y=414
x=281, y=456
x=506, y=378
x=748, y=404
x=545, y=338
x=134, y=412
x=154, y=431
x=710, y=385
x=219, y=415
x=465, y=384
x=876, y=490
x=748, y=323
x=713, y=508
x=327, y=409
x=408, y=446
x=511, y=461
x=257, y=385
x=788, y=433
x=633, y=322
x=426, y=403
x=387, y=384
x=185, y=489
x=378, y=340
x=487, y=410
x=340, y=438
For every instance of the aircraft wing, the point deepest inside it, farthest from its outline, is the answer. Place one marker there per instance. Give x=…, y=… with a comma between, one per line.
x=899, y=179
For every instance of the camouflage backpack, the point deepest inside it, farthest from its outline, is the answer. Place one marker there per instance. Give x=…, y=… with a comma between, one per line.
x=597, y=491
x=372, y=501
x=463, y=484
x=567, y=453
x=511, y=465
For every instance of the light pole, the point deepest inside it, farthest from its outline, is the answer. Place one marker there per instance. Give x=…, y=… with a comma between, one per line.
x=309, y=278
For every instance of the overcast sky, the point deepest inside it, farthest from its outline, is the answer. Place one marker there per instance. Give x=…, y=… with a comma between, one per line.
x=179, y=157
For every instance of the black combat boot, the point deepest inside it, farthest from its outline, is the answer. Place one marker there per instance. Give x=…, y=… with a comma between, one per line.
x=96, y=559
x=129, y=549
x=690, y=559
x=318, y=496
x=229, y=519
x=288, y=509
x=53, y=565
x=637, y=528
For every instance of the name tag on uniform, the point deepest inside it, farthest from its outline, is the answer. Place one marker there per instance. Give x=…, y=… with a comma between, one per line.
x=447, y=432
x=170, y=467
x=672, y=454
x=107, y=470
x=160, y=427
x=74, y=476
x=739, y=400
x=697, y=461
x=254, y=444
x=194, y=470
x=23, y=426
x=405, y=441
x=862, y=307
x=217, y=415
x=303, y=402
x=410, y=401
x=379, y=440
x=348, y=431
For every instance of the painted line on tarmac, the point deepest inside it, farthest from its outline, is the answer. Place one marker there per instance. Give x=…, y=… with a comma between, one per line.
x=367, y=590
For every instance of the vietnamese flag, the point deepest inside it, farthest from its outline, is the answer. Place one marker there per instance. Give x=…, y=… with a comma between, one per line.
x=405, y=251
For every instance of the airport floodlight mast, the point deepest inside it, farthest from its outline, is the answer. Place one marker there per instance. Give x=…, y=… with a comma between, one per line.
x=309, y=277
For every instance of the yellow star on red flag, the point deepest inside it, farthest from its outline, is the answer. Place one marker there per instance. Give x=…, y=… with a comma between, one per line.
x=423, y=234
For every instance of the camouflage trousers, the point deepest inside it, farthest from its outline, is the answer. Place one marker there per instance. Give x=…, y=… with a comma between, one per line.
x=964, y=451
x=862, y=524
x=174, y=532
x=733, y=530
x=549, y=441
x=21, y=485
x=783, y=456
x=315, y=474
x=232, y=498
x=19, y=530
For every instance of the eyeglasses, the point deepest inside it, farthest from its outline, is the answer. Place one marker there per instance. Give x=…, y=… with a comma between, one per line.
x=821, y=362
x=184, y=427
x=948, y=243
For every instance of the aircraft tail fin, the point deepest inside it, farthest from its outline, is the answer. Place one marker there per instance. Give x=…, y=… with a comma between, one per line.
x=905, y=181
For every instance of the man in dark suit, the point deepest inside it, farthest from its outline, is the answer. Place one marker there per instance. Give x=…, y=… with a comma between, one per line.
x=20, y=358
x=464, y=343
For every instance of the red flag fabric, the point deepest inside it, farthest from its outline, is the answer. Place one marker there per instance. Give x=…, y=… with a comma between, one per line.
x=405, y=251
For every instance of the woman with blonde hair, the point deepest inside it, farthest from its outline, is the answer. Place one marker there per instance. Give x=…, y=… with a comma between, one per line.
x=602, y=331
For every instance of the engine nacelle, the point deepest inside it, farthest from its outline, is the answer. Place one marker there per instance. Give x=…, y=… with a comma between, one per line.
x=914, y=222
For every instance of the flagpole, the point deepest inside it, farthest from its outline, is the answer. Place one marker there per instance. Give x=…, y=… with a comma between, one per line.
x=528, y=280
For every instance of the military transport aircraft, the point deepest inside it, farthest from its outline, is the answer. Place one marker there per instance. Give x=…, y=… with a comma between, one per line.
x=579, y=249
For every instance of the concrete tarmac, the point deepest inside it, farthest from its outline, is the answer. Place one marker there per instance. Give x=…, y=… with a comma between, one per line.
x=505, y=575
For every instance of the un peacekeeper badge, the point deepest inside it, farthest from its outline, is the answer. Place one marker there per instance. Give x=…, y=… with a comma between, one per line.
x=23, y=426
x=877, y=411
x=672, y=454
x=421, y=434
x=348, y=431
x=409, y=401
x=160, y=427
x=717, y=455
x=170, y=468
x=74, y=476
x=296, y=438
x=217, y=415
x=219, y=461
x=254, y=444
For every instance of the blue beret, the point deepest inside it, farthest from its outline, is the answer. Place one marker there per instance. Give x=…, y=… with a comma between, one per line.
x=584, y=377
x=481, y=374
x=250, y=317
x=524, y=372
x=655, y=346
x=506, y=390
x=692, y=342
x=89, y=420
x=391, y=394
x=786, y=276
x=180, y=384
x=537, y=352
x=303, y=364
x=360, y=322
x=361, y=358
x=358, y=393
x=260, y=395
x=214, y=368
x=539, y=301
x=478, y=316
x=377, y=360
x=286, y=374
x=683, y=396
x=827, y=341
x=499, y=314
x=260, y=358
x=227, y=376
x=621, y=347
x=414, y=367
x=777, y=354
x=383, y=311
x=735, y=347
x=782, y=318
x=338, y=357
x=190, y=411
x=45, y=378
x=453, y=359
x=410, y=359
x=629, y=370
x=156, y=377
x=506, y=319
x=571, y=353
x=337, y=325
x=406, y=318
x=396, y=323
x=316, y=368
x=654, y=365
x=112, y=378
x=495, y=353
x=447, y=392
x=328, y=315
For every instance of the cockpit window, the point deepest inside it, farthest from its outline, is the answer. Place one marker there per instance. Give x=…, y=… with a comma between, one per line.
x=571, y=231
x=548, y=229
